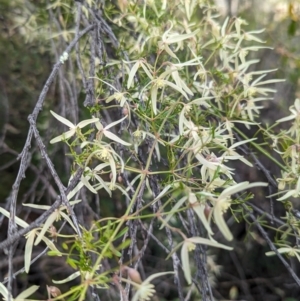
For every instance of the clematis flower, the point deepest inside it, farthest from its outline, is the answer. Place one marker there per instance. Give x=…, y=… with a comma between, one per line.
x=188, y=245
x=104, y=131
x=223, y=202
x=73, y=128
x=91, y=175
x=139, y=63
x=211, y=164
x=171, y=38
x=287, y=178
x=118, y=96
x=158, y=84
x=30, y=236
x=145, y=290
x=231, y=154
x=295, y=109
x=291, y=193
x=106, y=153
x=54, y=216
x=290, y=251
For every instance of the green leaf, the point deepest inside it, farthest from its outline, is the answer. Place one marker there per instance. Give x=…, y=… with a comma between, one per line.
x=65, y=246
x=292, y=28
x=54, y=253
x=124, y=244
x=72, y=263
x=121, y=233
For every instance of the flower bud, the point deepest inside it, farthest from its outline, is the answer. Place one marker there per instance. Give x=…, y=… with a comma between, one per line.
x=207, y=211
x=120, y=179
x=125, y=111
x=53, y=232
x=133, y=274
x=53, y=291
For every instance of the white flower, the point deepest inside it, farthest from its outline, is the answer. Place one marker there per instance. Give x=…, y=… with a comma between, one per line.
x=64, y=57
x=118, y=96
x=286, y=250
x=171, y=38
x=222, y=203
x=139, y=63
x=291, y=193
x=104, y=131
x=73, y=128
x=54, y=216
x=146, y=290
x=212, y=165
x=295, y=109
x=30, y=236
x=189, y=245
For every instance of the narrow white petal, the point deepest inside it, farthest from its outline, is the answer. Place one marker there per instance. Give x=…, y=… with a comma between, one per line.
x=186, y=262
x=29, y=291
x=19, y=221
x=132, y=74
x=84, y=123
x=51, y=219
x=64, y=136
x=68, y=279
x=180, y=37
x=115, y=138
x=63, y=120
x=87, y=184
x=219, y=219
x=114, y=123
x=208, y=242
x=28, y=250
x=3, y=291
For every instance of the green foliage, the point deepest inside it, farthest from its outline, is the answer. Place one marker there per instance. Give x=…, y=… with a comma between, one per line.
x=180, y=90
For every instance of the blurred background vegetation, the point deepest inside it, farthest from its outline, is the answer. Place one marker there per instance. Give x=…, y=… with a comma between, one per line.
x=26, y=59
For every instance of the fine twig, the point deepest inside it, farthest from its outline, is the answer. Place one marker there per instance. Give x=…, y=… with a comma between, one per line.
x=272, y=246
x=37, y=223
x=54, y=174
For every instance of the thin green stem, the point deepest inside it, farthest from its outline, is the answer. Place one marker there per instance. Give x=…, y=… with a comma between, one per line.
x=121, y=222
x=259, y=148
